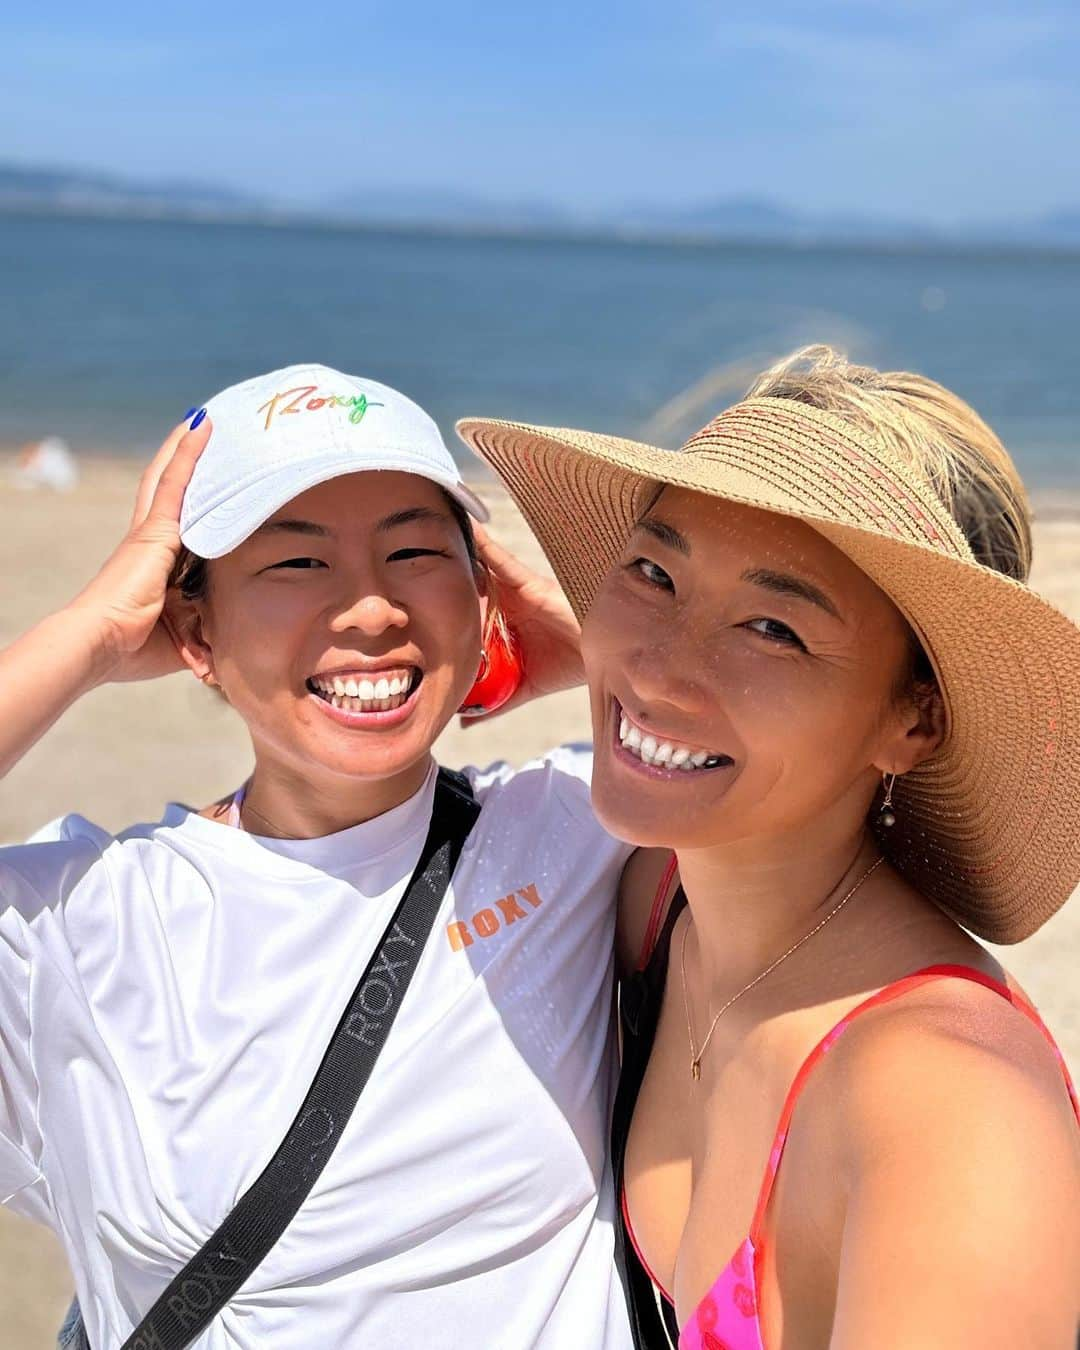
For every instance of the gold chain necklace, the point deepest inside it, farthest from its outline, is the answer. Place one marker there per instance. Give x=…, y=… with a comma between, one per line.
x=237, y=809
x=697, y=1055
x=235, y=815
x=247, y=806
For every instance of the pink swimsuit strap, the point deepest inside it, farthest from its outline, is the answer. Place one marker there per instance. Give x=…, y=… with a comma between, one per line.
x=233, y=817
x=728, y=1317
x=656, y=914
x=886, y=995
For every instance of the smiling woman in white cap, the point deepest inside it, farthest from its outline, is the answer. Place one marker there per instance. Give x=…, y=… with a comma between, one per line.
x=190, y=1009
x=817, y=675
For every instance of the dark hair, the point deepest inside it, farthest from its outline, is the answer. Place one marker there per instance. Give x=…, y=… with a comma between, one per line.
x=191, y=574
x=464, y=522
x=916, y=674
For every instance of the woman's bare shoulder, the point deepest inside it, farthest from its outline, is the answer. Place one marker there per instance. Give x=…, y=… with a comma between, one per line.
x=952, y=1042
x=951, y=1123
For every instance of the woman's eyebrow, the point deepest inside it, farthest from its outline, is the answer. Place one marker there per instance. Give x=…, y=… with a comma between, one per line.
x=410, y=516
x=294, y=527
x=780, y=583
x=667, y=534
x=783, y=583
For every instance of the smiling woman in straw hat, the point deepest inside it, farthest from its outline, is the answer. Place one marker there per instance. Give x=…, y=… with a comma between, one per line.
x=818, y=677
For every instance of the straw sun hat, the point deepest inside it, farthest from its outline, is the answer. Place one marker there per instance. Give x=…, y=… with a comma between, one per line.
x=989, y=827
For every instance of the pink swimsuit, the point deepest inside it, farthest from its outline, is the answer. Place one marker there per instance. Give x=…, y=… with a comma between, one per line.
x=728, y=1317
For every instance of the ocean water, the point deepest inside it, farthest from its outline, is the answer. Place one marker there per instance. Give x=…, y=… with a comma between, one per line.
x=109, y=330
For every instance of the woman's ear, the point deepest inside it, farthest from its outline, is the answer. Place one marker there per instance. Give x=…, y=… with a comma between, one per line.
x=920, y=730
x=183, y=620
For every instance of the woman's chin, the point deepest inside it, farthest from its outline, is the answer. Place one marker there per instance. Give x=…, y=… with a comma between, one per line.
x=375, y=746
x=656, y=807
x=372, y=758
x=635, y=822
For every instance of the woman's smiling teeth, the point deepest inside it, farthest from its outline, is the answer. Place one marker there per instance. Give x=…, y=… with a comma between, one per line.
x=355, y=693
x=665, y=754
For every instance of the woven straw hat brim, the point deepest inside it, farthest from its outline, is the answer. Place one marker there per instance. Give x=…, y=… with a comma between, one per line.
x=987, y=828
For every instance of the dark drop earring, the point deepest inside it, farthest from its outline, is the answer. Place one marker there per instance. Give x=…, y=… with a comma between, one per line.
x=887, y=816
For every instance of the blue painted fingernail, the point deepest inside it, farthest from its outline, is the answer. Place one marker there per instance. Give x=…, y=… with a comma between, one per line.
x=190, y=413
x=197, y=419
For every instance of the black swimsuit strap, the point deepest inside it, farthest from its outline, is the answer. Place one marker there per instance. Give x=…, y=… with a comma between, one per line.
x=641, y=995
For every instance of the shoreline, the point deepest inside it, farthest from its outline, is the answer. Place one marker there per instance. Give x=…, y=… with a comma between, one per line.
x=901, y=241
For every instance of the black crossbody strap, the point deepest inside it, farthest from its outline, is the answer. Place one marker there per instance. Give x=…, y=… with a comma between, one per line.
x=263, y=1212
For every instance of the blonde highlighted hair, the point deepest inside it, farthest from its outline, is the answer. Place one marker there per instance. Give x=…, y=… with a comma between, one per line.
x=936, y=432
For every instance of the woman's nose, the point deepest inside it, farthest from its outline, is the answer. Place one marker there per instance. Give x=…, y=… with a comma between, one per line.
x=369, y=613
x=659, y=675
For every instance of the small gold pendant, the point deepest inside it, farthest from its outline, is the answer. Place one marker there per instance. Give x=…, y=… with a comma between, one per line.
x=695, y=1069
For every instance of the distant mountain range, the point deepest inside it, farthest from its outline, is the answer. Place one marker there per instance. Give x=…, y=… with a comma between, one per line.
x=29, y=188
x=24, y=186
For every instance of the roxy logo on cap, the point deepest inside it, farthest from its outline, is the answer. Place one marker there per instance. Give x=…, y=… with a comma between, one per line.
x=358, y=404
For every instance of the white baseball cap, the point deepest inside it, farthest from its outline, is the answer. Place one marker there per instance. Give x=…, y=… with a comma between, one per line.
x=279, y=434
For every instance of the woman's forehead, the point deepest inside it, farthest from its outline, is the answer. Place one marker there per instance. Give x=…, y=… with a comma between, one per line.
x=706, y=522
x=712, y=531
x=369, y=492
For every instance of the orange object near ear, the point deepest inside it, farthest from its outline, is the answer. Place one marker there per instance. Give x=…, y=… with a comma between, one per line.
x=501, y=672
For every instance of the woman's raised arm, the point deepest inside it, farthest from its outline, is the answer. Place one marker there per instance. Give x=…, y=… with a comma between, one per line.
x=113, y=629
x=541, y=620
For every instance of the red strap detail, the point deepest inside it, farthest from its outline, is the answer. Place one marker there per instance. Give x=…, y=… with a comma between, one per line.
x=656, y=914
x=634, y=1243
x=886, y=995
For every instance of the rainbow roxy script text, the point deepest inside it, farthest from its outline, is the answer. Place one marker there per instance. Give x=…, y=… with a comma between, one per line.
x=358, y=404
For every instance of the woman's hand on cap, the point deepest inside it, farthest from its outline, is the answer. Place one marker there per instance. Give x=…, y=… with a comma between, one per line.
x=539, y=615
x=126, y=598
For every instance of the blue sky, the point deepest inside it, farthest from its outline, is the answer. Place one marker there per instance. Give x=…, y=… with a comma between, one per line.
x=943, y=111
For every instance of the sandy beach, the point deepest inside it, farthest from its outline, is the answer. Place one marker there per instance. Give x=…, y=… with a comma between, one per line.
x=124, y=751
